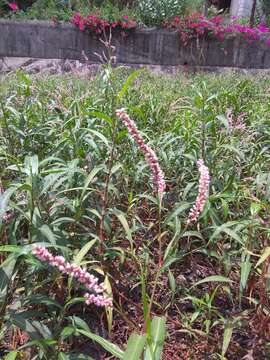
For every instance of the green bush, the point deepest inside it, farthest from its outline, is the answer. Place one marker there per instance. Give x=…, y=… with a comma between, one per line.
x=266, y=10
x=154, y=12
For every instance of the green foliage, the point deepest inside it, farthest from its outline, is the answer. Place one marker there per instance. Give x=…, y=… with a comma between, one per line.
x=266, y=10
x=48, y=9
x=149, y=12
x=154, y=12
x=62, y=149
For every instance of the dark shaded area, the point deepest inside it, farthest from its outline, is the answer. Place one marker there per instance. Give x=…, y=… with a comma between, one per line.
x=24, y=4
x=221, y=4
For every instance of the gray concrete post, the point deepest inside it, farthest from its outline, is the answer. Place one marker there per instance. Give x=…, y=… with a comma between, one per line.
x=241, y=8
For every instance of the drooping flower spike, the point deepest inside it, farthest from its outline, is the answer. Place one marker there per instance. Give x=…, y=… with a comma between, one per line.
x=150, y=156
x=98, y=295
x=202, y=194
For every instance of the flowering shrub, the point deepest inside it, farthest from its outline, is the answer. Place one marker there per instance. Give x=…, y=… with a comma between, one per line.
x=197, y=25
x=189, y=27
x=97, y=24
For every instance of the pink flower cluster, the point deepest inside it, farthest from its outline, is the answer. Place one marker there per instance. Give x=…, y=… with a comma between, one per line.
x=197, y=25
x=82, y=276
x=235, y=123
x=13, y=6
x=7, y=217
x=202, y=195
x=96, y=24
x=150, y=156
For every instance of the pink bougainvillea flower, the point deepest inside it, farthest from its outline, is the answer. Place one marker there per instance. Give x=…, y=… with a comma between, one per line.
x=263, y=28
x=13, y=6
x=202, y=195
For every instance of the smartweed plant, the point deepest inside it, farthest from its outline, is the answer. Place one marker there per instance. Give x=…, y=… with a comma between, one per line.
x=133, y=210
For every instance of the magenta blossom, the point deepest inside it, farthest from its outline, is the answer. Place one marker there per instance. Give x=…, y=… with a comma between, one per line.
x=98, y=297
x=150, y=156
x=13, y=6
x=268, y=42
x=263, y=28
x=202, y=195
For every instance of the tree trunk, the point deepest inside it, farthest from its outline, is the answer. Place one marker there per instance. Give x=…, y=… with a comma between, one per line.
x=253, y=12
x=207, y=4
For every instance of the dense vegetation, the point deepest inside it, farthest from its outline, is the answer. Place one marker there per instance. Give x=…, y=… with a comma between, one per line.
x=75, y=182
x=148, y=12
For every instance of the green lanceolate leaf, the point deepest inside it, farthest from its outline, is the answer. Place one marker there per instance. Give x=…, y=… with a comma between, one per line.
x=128, y=83
x=135, y=347
x=107, y=345
x=35, y=329
x=6, y=272
x=123, y=220
x=264, y=256
x=227, y=338
x=109, y=310
x=4, y=200
x=31, y=165
x=245, y=271
x=12, y=355
x=74, y=356
x=157, y=338
x=89, y=179
x=213, y=278
x=84, y=250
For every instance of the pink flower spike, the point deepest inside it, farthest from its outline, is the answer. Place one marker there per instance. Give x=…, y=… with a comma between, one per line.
x=268, y=42
x=99, y=297
x=13, y=6
x=150, y=156
x=202, y=195
x=98, y=300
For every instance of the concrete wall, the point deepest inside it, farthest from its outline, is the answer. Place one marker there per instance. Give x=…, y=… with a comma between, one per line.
x=44, y=39
x=241, y=8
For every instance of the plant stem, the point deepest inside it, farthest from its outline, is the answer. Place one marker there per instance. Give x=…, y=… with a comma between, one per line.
x=159, y=267
x=106, y=190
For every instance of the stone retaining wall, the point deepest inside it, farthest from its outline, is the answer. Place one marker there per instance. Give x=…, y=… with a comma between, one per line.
x=44, y=39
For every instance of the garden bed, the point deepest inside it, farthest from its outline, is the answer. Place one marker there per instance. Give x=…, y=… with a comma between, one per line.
x=50, y=40
x=60, y=138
